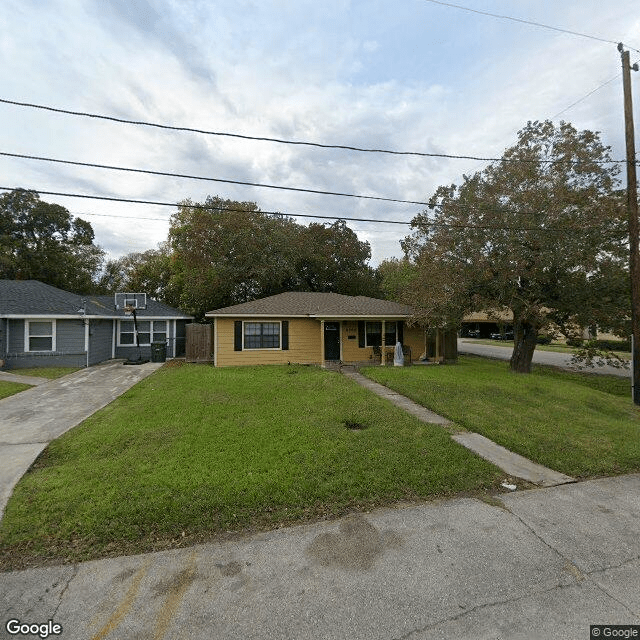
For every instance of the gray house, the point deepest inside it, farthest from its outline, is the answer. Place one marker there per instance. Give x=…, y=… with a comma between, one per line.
x=41, y=325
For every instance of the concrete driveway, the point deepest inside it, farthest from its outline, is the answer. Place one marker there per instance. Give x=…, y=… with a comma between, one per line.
x=552, y=358
x=31, y=419
x=540, y=564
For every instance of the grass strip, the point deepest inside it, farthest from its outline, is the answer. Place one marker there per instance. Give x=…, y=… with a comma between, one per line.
x=10, y=388
x=45, y=372
x=195, y=451
x=583, y=425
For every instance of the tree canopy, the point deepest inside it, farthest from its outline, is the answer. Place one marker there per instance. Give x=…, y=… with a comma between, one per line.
x=42, y=241
x=223, y=252
x=540, y=233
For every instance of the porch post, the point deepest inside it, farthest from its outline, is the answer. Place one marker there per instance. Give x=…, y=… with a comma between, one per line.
x=383, y=345
x=86, y=338
x=174, y=325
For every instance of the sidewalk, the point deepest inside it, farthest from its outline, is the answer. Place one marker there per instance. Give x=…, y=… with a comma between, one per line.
x=29, y=420
x=544, y=565
x=511, y=463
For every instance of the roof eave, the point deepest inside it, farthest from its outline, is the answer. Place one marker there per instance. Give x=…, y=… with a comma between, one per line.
x=313, y=316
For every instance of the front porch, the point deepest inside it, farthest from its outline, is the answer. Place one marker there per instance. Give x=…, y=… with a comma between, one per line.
x=366, y=342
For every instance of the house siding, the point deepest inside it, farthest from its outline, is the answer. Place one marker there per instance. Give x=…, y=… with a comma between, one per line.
x=69, y=346
x=181, y=335
x=100, y=339
x=3, y=338
x=351, y=352
x=132, y=352
x=16, y=337
x=304, y=344
x=414, y=338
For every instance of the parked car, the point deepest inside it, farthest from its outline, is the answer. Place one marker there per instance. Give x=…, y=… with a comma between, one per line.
x=473, y=333
x=507, y=335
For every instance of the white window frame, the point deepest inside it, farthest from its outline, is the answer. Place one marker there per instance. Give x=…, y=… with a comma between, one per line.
x=366, y=333
x=27, y=335
x=383, y=332
x=278, y=348
x=150, y=332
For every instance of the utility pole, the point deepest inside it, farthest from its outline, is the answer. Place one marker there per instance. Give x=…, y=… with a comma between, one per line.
x=634, y=230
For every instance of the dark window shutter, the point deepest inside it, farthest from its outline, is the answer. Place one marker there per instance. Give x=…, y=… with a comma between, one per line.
x=285, y=335
x=237, y=335
x=401, y=332
x=361, y=334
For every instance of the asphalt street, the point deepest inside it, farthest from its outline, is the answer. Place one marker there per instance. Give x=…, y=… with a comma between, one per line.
x=537, y=564
x=552, y=358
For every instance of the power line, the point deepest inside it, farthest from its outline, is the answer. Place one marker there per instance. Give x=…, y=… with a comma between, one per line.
x=195, y=206
x=207, y=179
x=528, y=22
x=320, y=145
x=239, y=135
x=235, y=182
x=573, y=104
x=294, y=215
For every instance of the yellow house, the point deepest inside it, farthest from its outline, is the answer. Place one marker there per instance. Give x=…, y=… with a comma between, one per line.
x=322, y=328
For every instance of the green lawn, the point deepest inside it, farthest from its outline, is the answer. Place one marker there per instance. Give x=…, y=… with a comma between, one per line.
x=195, y=451
x=580, y=424
x=45, y=372
x=9, y=388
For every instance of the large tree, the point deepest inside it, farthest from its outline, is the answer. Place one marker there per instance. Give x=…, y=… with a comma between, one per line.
x=332, y=258
x=43, y=241
x=148, y=271
x=539, y=233
x=223, y=252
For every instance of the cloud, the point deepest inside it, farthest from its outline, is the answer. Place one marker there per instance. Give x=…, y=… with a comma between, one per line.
x=406, y=76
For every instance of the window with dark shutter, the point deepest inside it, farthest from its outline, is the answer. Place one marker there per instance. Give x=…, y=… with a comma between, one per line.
x=285, y=335
x=237, y=335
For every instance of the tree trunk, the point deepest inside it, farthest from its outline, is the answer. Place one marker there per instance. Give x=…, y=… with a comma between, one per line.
x=525, y=335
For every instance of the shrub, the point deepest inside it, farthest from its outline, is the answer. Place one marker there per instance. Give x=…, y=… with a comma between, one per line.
x=614, y=345
x=544, y=338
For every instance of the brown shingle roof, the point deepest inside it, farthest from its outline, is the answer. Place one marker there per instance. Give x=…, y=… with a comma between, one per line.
x=298, y=303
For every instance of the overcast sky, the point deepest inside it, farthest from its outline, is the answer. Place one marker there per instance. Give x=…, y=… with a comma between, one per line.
x=408, y=75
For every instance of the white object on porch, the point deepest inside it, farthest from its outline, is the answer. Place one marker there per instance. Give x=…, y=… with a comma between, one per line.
x=398, y=356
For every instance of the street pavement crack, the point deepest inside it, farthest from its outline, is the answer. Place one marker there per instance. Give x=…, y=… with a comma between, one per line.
x=75, y=568
x=480, y=607
x=624, y=605
x=576, y=571
x=615, y=566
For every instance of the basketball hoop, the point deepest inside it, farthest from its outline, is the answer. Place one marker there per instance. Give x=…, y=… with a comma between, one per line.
x=128, y=310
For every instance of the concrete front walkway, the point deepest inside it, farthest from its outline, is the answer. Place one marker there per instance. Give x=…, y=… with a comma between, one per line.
x=511, y=463
x=541, y=564
x=31, y=419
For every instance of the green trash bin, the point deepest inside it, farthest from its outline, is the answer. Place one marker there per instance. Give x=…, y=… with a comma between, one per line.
x=158, y=351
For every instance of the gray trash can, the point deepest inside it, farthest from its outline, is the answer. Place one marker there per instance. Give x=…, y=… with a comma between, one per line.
x=158, y=351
